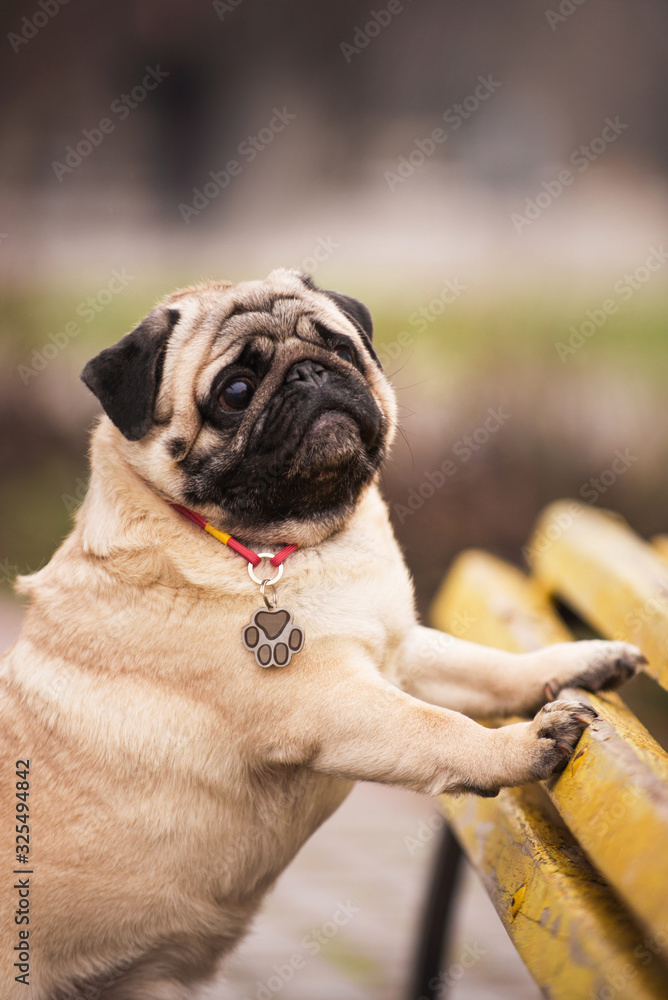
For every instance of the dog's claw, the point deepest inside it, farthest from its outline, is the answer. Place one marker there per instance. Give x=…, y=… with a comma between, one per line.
x=551, y=691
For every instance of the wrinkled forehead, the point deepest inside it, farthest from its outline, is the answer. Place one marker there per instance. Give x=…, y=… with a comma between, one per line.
x=274, y=317
x=217, y=322
x=262, y=331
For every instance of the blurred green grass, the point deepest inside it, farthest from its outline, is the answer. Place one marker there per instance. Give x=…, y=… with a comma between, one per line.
x=472, y=329
x=479, y=333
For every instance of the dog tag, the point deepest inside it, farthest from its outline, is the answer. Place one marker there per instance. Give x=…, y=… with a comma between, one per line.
x=273, y=636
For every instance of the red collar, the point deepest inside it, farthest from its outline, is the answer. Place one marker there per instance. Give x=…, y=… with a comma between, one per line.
x=232, y=543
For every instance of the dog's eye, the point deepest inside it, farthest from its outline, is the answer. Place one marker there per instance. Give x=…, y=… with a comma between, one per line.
x=236, y=394
x=344, y=354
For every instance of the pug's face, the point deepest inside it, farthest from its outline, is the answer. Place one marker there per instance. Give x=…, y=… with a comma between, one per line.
x=262, y=404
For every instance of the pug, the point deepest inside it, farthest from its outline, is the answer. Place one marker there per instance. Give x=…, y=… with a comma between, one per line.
x=178, y=756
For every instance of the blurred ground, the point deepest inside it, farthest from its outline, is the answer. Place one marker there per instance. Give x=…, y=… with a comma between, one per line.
x=362, y=856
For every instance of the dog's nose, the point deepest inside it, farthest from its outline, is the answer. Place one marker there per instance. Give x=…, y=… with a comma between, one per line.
x=312, y=373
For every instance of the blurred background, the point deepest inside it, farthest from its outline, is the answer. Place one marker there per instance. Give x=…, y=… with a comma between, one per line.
x=490, y=178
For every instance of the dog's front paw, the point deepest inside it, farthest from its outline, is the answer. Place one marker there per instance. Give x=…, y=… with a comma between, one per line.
x=555, y=732
x=273, y=637
x=532, y=751
x=529, y=751
x=595, y=665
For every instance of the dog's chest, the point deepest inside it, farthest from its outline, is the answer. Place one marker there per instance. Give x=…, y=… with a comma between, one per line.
x=365, y=600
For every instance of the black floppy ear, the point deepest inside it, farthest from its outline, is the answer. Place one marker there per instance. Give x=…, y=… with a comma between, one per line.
x=126, y=377
x=359, y=316
x=356, y=311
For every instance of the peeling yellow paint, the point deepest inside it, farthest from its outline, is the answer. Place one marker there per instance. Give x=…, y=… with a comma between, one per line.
x=613, y=798
x=530, y=867
x=517, y=900
x=617, y=581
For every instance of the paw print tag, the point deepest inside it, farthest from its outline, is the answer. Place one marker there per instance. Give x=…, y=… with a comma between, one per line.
x=272, y=634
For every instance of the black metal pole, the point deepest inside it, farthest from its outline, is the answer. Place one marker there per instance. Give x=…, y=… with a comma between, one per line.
x=432, y=940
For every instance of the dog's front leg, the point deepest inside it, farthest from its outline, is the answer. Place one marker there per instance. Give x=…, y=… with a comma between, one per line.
x=369, y=730
x=484, y=682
